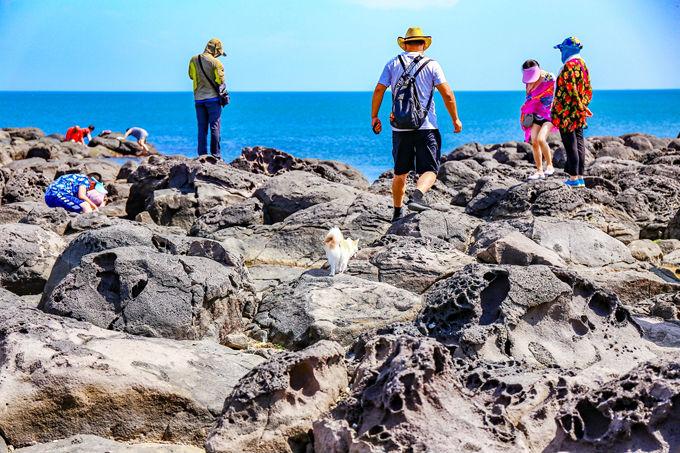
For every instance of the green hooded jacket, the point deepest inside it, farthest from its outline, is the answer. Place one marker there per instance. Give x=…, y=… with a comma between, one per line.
x=203, y=89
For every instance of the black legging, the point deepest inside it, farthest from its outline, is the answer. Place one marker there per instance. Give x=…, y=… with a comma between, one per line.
x=575, y=148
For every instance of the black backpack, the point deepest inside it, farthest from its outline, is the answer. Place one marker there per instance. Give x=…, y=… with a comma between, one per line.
x=406, y=107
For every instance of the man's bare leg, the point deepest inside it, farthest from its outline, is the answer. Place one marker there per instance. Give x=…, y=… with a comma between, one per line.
x=398, y=191
x=426, y=181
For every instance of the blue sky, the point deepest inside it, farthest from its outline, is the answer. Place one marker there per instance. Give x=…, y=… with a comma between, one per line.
x=328, y=45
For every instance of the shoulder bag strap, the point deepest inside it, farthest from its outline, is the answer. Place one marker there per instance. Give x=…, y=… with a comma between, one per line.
x=210, y=81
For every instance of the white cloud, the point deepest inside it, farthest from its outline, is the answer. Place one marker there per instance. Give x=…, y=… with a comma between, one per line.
x=405, y=4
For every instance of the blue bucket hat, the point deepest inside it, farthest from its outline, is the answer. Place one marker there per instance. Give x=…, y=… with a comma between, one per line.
x=571, y=42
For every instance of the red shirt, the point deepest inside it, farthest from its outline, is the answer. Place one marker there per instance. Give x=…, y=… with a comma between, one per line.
x=76, y=133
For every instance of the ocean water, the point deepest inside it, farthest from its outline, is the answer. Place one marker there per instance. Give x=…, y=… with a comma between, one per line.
x=321, y=125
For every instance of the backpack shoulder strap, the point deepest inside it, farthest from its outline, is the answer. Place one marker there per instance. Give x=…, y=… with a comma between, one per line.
x=427, y=60
x=401, y=60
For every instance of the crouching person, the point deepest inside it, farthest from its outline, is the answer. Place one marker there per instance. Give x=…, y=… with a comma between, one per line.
x=76, y=193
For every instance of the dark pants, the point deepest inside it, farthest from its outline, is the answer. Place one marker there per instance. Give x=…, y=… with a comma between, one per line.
x=209, y=114
x=416, y=150
x=575, y=149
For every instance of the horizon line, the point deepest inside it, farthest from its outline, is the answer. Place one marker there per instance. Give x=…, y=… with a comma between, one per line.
x=301, y=91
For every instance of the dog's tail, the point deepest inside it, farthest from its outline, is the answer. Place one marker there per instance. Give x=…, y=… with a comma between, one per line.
x=333, y=238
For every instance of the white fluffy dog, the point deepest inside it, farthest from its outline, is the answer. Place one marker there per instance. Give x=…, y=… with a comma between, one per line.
x=339, y=250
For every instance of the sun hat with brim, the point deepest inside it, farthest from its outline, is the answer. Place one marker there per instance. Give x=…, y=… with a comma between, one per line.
x=530, y=75
x=215, y=48
x=571, y=41
x=414, y=34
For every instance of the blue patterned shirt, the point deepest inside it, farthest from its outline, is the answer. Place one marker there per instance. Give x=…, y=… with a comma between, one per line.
x=69, y=184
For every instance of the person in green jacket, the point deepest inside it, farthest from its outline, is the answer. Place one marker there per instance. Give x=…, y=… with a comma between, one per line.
x=206, y=98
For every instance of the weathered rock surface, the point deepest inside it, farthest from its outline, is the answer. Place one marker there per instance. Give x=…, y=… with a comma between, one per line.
x=95, y=444
x=540, y=315
x=144, y=292
x=273, y=407
x=294, y=191
x=246, y=213
x=176, y=191
x=297, y=241
x=408, y=262
x=516, y=248
x=452, y=226
x=405, y=395
x=27, y=254
x=443, y=353
x=270, y=162
x=60, y=377
x=645, y=250
x=640, y=411
x=337, y=308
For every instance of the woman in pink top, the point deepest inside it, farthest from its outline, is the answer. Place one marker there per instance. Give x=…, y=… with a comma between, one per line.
x=535, y=115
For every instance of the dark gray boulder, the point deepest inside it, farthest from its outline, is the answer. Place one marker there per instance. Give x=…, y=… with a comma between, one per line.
x=144, y=292
x=176, y=191
x=453, y=226
x=246, y=213
x=25, y=133
x=410, y=263
x=487, y=193
x=312, y=308
x=92, y=241
x=23, y=185
x=673, y=228
x=294, y=191
x=27, y=254
x=121, y=147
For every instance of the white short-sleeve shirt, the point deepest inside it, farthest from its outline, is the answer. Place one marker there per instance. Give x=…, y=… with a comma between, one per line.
x=431, y=76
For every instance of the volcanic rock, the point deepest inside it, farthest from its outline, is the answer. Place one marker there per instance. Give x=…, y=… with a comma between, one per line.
x=639, y=411
x=27, y=254
x=144, y=292
x=62, y=377
x=540, y=315
x=271, y=162
x=273, y=407
x=294, y=191
x=336, y=308
x=85, y=443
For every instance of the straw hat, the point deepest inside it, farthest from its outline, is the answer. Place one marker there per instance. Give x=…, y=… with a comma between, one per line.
x=414, y=34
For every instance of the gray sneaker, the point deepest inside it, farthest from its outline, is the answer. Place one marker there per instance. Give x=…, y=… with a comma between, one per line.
x=416, y=202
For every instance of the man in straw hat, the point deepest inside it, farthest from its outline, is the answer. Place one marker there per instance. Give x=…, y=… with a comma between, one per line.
x=415, y=148
x=206, y=98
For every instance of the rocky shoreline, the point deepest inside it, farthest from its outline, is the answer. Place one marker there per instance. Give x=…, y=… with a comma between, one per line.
x=193, y=313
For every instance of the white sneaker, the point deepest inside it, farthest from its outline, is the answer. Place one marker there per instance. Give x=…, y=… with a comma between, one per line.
x=536, y=176
x=549, y=170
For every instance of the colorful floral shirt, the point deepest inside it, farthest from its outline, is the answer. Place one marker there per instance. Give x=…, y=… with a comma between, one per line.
x=572, y=96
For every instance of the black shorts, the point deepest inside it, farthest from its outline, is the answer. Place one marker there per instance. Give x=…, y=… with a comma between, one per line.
x=416, y=150
x=540, y=120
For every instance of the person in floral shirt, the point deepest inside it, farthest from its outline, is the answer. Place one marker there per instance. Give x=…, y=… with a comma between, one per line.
x=570, y=108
